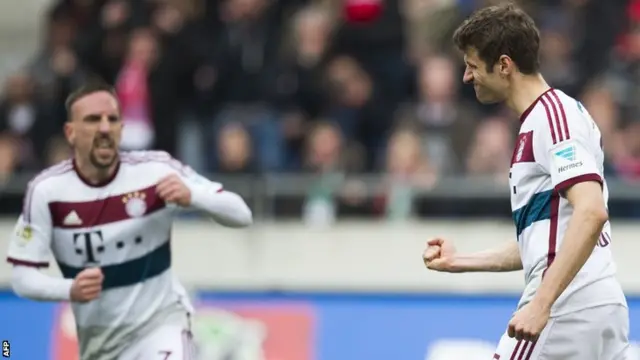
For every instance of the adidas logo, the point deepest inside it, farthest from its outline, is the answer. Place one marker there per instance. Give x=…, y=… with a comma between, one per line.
x=72, y=219
x=567, y=154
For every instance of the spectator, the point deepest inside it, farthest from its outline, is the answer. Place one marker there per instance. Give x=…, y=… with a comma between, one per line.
x=8, y=157
x=491, y=150
x=628, y=164
x=58, y=150
x=445, y=122
x=324, y=158
x=557, y=61
x=236, y=154
x=407, y=170
x=360, y=108
x=240, y=84
x=56, y=70
x=24, y=119
x=245, y=68
x=133, y=91
x=299, y=82
x=599, y=102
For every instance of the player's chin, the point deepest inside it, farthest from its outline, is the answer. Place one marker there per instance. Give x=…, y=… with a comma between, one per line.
x=104, y=158
x=486, y=100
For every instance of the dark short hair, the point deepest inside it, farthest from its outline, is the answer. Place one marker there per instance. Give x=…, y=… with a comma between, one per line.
x=501, y=30
x=87, y=89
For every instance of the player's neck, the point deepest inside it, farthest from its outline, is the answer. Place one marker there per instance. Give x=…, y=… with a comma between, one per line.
x=93, y=175
x=525, y=90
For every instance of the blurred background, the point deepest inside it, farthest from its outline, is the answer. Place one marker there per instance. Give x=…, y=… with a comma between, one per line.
x=345, y=126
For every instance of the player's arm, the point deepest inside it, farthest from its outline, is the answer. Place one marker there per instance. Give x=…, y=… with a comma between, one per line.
x=29, y=250
x=576, y=176
x=440, y=255
x=586, y=223
x=499, y=259
x=225, y=207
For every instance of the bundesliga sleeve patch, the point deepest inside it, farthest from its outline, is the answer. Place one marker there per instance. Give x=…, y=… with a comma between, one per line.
x=567, y=157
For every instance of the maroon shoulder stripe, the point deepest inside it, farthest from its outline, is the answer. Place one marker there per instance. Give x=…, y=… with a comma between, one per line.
x=565, y=124
x=549, y=119
x=556, y=118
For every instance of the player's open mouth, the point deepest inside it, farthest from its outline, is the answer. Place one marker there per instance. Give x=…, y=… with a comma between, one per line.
x=103, y=144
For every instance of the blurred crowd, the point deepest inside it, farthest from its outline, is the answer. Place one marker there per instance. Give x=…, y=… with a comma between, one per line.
x=314, y=86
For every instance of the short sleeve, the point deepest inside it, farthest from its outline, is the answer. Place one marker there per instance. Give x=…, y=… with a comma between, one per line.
x=30, y=241
x=568, y=152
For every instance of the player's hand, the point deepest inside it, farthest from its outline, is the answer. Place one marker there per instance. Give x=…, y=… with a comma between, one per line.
x=528, y=322
x=87, y=285
x=172, y=189
x=439, y=255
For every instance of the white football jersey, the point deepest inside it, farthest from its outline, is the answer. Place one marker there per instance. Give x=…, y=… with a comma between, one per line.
x=121, y=226
x=559, y=145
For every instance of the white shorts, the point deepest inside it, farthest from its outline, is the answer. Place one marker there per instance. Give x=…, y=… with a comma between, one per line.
x=599, y=333
x=168, y=342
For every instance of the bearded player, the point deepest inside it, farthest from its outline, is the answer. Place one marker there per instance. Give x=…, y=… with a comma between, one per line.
x=572, y=308
x=106, y=217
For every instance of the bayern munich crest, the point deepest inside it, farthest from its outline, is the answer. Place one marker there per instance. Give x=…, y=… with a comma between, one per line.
x=135, y=204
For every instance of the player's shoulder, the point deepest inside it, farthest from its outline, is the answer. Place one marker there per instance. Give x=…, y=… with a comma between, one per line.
x=51, y=175
x=157, y=159
x=145, y=156
x=559, y=116
x=552, y=105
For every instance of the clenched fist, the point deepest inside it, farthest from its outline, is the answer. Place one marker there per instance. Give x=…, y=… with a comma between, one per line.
x=439, y=255
x=173, y=190
x=87, y=285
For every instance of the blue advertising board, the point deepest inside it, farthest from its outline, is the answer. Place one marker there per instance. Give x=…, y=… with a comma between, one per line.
x=302, y=326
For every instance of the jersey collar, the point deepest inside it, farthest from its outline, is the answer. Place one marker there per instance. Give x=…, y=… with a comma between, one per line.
x=526, y=113
x=105, y=182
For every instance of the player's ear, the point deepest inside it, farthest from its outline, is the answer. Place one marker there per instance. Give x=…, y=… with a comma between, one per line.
x=69, y=132
x=505, y=65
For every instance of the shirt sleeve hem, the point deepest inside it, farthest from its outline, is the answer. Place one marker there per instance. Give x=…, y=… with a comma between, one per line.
x=36, y=264
x=566, y=184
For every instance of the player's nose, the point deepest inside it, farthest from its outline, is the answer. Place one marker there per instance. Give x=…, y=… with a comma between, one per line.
x=105, y=125
x=467, y=78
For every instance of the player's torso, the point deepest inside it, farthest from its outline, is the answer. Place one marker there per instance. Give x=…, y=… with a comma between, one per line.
x=532, y=200
x=114, y=224
x=124, y=228
x=541, y=215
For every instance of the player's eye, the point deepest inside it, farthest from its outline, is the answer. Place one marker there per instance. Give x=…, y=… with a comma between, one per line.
x=114, y=118
x=92, y=118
